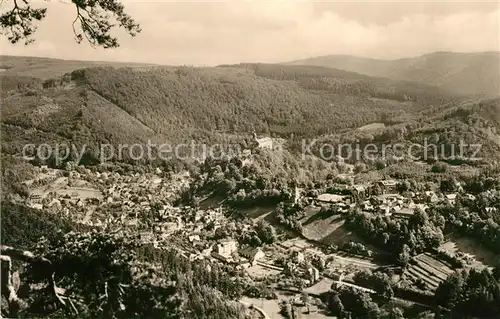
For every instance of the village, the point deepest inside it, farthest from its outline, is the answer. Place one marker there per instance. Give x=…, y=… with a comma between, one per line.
x=289, y=265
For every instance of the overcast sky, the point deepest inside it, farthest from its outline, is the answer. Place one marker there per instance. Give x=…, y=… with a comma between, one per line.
x=210, y=32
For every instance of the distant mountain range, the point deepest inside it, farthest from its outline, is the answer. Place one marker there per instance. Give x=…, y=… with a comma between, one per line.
x=47, y=68
x=461, y=73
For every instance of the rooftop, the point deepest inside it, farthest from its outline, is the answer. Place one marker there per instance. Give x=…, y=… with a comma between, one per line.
x=404, y=211
x=331, y=198
x=359, y=188
x=249, y=251
x=389, y=182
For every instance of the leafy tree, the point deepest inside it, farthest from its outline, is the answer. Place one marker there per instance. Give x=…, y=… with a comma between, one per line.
x=22, y=227
x=423, y=231
x=265, y=232
x=100, y=274
x=496, y=270
x=448, y=185
x=334, y=304
x=286, y=309
x=92, y=21
x=404, y=256
x=360, y=168
x=403, y=186
x=470, y=293
x=380, y=164
x=396, y=313
x=97, y=267
x=359, y=304
x=448, y=293
x=439, y=167
x=379, y=282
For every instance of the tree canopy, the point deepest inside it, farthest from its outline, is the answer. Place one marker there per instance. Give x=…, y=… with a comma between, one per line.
x=94, y=21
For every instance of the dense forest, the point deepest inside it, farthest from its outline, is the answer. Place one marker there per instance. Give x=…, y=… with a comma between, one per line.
x=471, y=293
x=213, y=105
x=172, y=104
x=235, y=100
x=264, y=177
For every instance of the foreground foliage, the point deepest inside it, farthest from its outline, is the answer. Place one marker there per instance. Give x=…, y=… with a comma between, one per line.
x=105, y=275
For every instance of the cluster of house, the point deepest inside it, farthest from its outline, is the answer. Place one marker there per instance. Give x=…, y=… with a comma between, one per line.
x=182, y=223
x=122, y=197
x=139, y=188
x=300, y=254
x=127, y=201
x=380, y=197
x=298, y=266
x=227, y=251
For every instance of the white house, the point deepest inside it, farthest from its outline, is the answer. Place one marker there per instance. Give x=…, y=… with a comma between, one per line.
x=388, y=186
x=226, y=248
x=451, y=198
x=252, y=254
x=264, y=142
x=298, y=257
x=431, y=196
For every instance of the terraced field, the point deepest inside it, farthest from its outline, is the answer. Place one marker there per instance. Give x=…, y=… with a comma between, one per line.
x=430, y=270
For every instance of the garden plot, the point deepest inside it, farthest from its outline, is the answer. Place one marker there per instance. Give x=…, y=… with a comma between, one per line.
x=429, y=270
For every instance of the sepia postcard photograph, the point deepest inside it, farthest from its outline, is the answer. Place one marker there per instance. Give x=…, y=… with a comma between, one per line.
x=239, y=159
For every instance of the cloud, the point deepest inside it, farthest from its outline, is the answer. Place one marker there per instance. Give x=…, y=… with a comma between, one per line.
x=274, y=31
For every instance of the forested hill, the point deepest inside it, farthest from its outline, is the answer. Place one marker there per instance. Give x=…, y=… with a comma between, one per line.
x=264, y=98
x=172, y=104
x=462, y=73
x=351, y=83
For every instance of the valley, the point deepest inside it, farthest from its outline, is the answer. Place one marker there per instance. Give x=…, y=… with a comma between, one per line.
x=269, y=229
